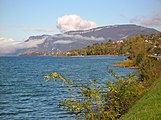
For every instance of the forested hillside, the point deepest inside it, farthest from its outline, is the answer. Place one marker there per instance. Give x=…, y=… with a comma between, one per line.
x=122, y=47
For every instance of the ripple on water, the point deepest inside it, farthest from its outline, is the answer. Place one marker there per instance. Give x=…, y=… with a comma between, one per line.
x=25, y=95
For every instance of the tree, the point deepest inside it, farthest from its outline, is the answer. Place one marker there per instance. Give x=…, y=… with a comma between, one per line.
x=138, y=49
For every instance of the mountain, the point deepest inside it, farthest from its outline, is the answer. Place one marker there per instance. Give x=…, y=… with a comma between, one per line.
x=115, y=32
x=77, y=39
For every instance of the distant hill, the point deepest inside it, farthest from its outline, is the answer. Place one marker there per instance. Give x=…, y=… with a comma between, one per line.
x=78, y=39
x=114, y=32
x=120, y=47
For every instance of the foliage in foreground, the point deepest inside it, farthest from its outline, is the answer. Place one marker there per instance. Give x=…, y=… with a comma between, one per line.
x=105, y=101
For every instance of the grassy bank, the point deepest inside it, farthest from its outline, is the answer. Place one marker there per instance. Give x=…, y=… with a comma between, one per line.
x=148, y=107
x=125, y=63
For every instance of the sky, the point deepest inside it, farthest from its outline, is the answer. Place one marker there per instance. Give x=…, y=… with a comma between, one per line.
x=20, y=19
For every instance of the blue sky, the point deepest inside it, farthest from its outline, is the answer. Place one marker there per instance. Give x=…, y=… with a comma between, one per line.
x=20, y=19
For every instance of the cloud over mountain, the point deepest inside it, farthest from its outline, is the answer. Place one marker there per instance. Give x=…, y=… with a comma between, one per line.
x=62, y=42
x=9, y=46
x=73, y=22
x=7, y=42
x=154, y=20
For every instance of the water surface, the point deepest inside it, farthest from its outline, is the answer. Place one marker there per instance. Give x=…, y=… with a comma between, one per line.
x=25, y=95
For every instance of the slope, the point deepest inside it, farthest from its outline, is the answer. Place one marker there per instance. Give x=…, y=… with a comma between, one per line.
x=148, y=107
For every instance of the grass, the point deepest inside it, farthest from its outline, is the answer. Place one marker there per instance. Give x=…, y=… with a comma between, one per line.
x=125, y=63
x=148, y=107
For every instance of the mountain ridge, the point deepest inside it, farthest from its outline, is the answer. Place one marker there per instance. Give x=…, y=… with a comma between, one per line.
x=69, y=40
x=129, y=30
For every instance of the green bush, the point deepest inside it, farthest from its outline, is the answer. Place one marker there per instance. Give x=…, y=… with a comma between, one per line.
x=150, y=70
x=106, y=101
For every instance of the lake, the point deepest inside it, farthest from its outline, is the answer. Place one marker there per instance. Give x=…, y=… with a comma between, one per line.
x=24, y=94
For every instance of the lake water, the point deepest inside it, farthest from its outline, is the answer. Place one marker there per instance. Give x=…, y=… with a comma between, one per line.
x=24, y=94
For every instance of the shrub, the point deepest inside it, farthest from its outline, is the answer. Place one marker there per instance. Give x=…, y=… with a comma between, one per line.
x=150, y=70
x=106, y=101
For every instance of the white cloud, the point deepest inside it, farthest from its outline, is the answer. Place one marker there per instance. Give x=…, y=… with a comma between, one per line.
x=4, y=42
x=73, y=22
x=8, y=45
x=154, y=20
x=63, y=42
x=30, y=43
x=88, y=38
x=75, y=37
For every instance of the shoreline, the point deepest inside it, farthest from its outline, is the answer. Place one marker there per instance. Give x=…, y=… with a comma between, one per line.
x=127, y=63
x=71, y=55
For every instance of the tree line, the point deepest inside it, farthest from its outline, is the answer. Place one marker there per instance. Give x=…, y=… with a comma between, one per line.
x=123, y=47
